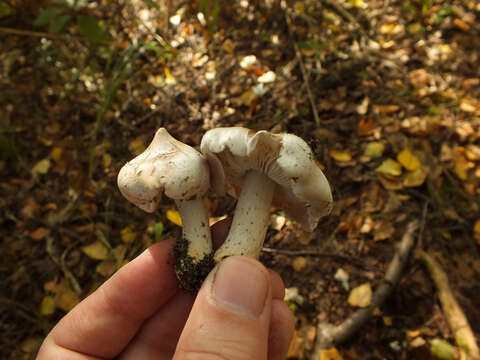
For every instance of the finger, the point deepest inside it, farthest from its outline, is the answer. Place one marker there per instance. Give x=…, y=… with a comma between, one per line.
x=158, y=336
x=105, y=322
x=231, y=315
x=282, y=325
x=220, y=231
x=278, y=287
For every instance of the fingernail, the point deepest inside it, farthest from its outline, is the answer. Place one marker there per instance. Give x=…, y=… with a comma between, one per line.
x=241, y=285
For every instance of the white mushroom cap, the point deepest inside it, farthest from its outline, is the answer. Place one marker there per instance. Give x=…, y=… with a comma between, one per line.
x=166, y=166
x=301, y=188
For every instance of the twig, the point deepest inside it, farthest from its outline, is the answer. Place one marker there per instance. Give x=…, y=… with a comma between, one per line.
x=346, y=15
x=34, y=33
x=329, y=335
x=453, y=313
x=349, y=259
x=298, y=55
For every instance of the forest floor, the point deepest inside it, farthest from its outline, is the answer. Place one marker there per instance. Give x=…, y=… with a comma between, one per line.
x=387, y=94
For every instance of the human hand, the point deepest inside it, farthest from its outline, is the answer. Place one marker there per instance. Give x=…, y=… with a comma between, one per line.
x=140, y=313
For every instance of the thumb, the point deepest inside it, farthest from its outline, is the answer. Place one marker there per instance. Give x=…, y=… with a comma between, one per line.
x=231, y=315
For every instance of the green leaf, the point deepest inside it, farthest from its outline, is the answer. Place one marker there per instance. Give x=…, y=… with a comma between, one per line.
x=59, y=24
x=151, y=4
x=46, y=16
x=158, y=231
x=4, y=9
x=92, y=29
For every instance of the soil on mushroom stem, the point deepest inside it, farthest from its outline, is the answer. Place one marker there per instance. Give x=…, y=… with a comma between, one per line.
x=190, y=272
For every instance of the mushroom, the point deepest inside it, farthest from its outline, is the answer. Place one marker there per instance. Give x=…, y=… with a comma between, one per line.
x=177, y=170
x=260, y=169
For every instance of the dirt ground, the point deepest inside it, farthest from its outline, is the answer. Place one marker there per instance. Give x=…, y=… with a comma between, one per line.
x=387, y=94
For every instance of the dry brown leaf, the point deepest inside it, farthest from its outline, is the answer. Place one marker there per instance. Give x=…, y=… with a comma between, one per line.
x=386, y=109
x=366, y=127
x=39, y=233
x=390, y=182
x=415, y=178
x=383, y=231
x=461, y=24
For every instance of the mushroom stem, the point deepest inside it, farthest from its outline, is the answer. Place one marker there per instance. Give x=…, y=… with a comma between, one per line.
x=196, y=231
x=251, y=218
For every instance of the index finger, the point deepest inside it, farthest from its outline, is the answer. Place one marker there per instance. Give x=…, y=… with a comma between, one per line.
x=105, y=322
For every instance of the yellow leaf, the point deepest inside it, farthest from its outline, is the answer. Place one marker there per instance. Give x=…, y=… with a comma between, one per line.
x=107, y=160
x=47, y=307
x=357, y=3
x=128, y=235
x=408, y=160
x=41, y=167
x=341, y=155
x=374, y=149
x=56, y=153
x=299, y=263
x=137, y=146
x=476, y=227
x=96, y=251
x=461, y=170
x=390, y=167
x=320, y=165
x=66, y=300
x=415, y=178
x=361, y=296
x=169, y=78
x=330, y=354
x=174, y=217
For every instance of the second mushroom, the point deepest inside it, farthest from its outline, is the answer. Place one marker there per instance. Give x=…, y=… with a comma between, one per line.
x=261, y=169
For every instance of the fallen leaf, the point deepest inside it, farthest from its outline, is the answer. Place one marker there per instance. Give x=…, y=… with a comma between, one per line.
x=374, y=149
x=408, y=160
x=386, y=109
x=442, y=349
x=137, y=146
x=106, y=267
x=31, y=344
x=472, y=152
x=383, y=231
x=174, y=217
x=39, y=234
x=461, y=24
x=461, y=170
x=330, y=354
x=66, y=299
x=299, y=263
x=96, y=251
x=107, y=160
x=391, y=28
x=415, y=178
x=366, y=127
x=169, y=78
x=41, y=167
x=467, y=106
x=127, y=234
x=47, y=307
x=390, y=167
x=362, y=108
x=341, y=155
x=361, y=296
x=56, y=154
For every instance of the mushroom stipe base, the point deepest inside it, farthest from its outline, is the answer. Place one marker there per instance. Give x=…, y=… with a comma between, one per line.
x=190, y=271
